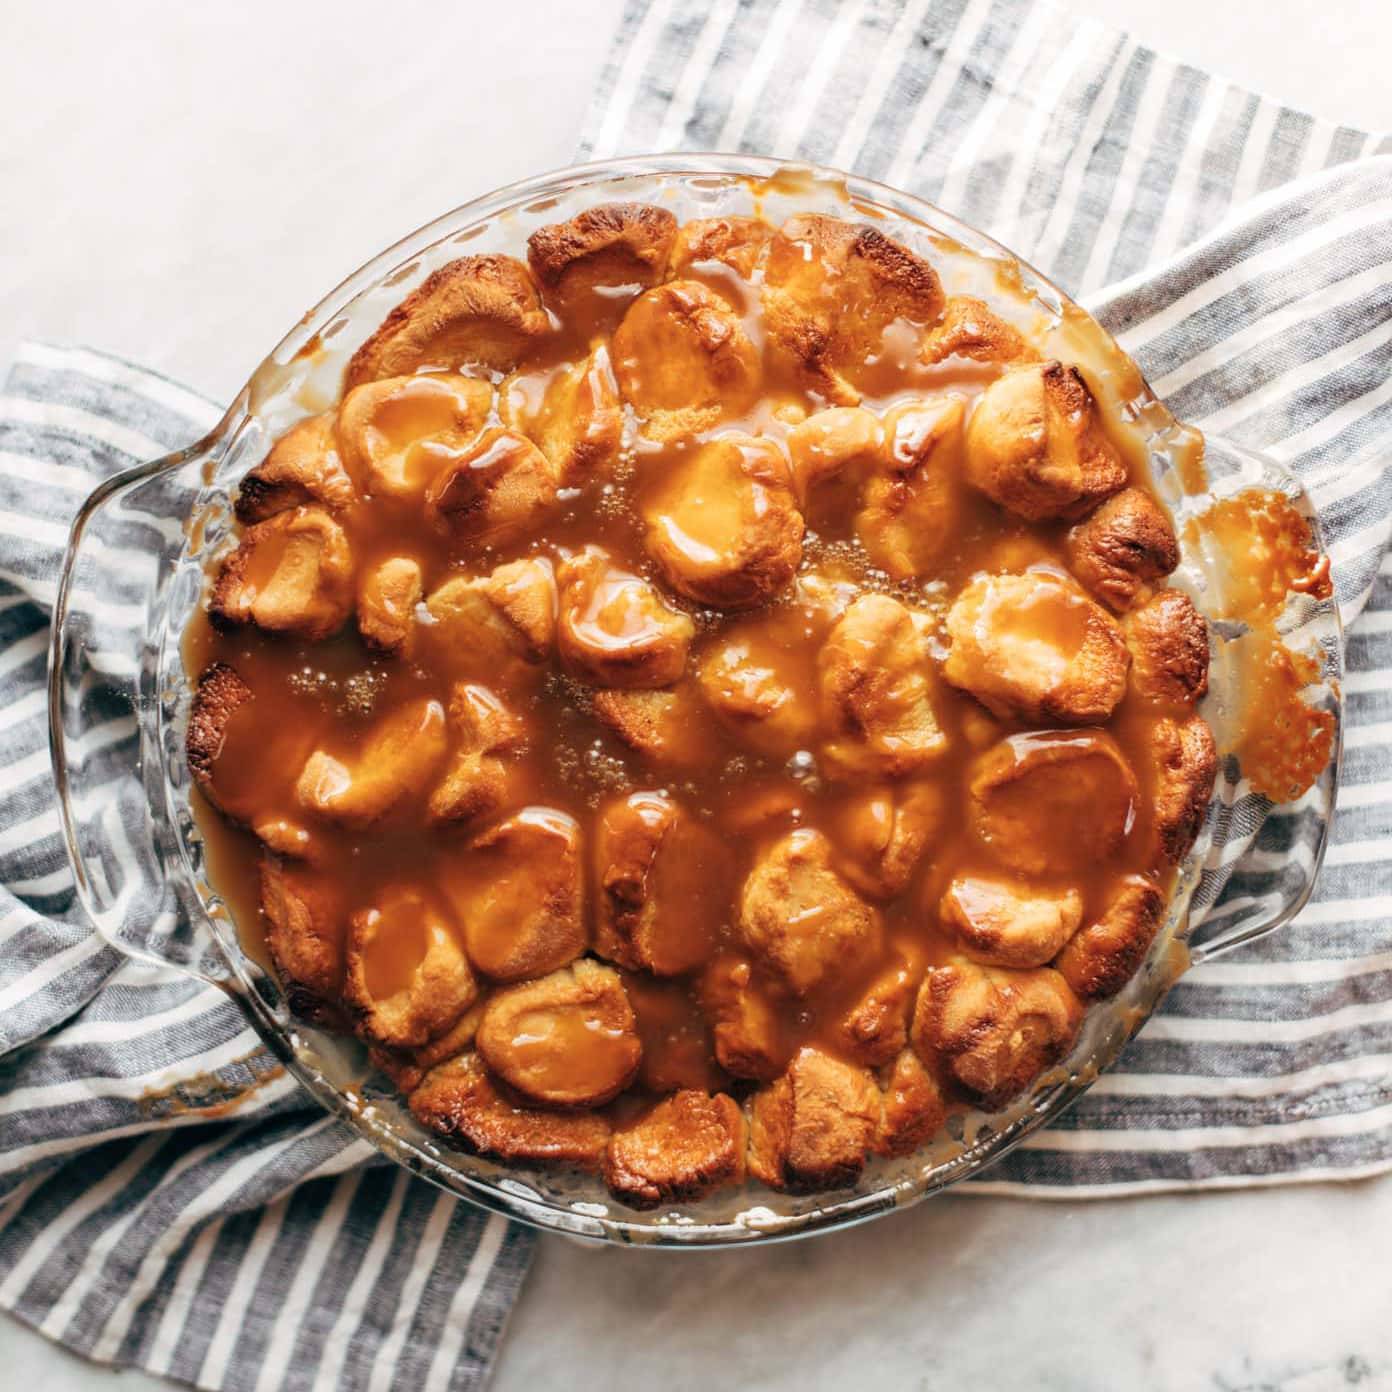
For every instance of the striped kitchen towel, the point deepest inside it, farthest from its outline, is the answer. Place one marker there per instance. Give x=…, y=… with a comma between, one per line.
x=1248, y=251
x=168, y=1200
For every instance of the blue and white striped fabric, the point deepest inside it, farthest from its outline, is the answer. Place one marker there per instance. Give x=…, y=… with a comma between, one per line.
x=167, y=1199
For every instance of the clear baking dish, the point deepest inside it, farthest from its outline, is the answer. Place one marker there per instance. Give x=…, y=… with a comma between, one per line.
x=120, y=696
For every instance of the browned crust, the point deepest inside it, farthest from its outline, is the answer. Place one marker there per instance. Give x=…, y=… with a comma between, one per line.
x=746, y=1029
x=302, y=467
x=461, y=1102
x=1185, y=771
x=655, y=723
x=495, y=491
x=1104, y=955
x=406, y=1067
x=912, y=1109
x=621, y=243
x=304, y=929
x=685, y=1146
x=220, y=692
x=737, y=242
x=810, y=1130
x=1168, y=638
x=1127, y=542
x=479, y=311
x=993, y=1031
x=876, y=1027
x=969, y=329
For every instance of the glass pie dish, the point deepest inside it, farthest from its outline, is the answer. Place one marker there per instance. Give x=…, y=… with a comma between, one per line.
x=121, y=697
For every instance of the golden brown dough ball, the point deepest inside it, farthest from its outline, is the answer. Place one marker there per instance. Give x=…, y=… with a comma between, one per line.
x=397, y=434
x=608, y=247
x=811, y=1128
x=407, y=977
x=1103, y=955
x=478, y=311
x=832, y=290
x=678, y=1151
x=1168, y=639
x=1034, y=647
x=994, y=1031
x=292, y=574
x=391, y=766
x=303, y=467
x=1003, y=923
x=683, y=360
x=663, y=885
x=1052, y=802
x=564, y=1040
x=460, y=1101
x=801, y=918
x=497, y=489
x=737, y=242
x=875, y=692
x=1122, y=547
x=521, y=896
x=1035, y=444
x=578, y=421
x=614, y=628
x=723, y=524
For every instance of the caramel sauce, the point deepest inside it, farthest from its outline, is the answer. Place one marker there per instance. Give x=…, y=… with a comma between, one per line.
x=1283, y=743
x=335, y=697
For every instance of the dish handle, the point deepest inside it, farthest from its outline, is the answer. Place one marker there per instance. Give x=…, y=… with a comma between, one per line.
x=123, y=594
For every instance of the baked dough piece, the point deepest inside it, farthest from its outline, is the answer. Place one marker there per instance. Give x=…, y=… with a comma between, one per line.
x=1103, y=955
x=303, y=913
x=393, y=765
x=1186, y=767
x=811, y=1128
x=667, y=727
x=387, y=599
x=478, y=780
x=912, y=1109
x=994, y=1032
x=842, y=442
x=911, y=507
x=608, y=246
x=397, y=434
x=495, y=490
x=1052, y=803
x=881, y=835
x=748, y=1030
x=1168, y=639
x=1003, y=923
x=876, y=1027
x=801, y=918
x=875, y=692
x=683, y=360
x=1034, y=647
x=615, y=629
x=578, y=423
x=754, y=688
x=406, y=1067
x=831, y=290
x=460, y=1101
x=501, y=620
x=478, y=311
x=1123, y=547
x=969, y=329
x=737, y=242
x=407, y=978
x=522, y=902
x=220, y=694
x=723, y=524
x=1036, y=447
x=565, y=1040
x=291, y=574
x=685, y=1146
x=662, y=882
x=303, y=467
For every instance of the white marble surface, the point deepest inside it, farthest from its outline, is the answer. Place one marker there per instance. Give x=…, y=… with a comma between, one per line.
x=179, y=184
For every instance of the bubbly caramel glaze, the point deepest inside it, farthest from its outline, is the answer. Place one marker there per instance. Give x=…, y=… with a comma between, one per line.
x=705, y=702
